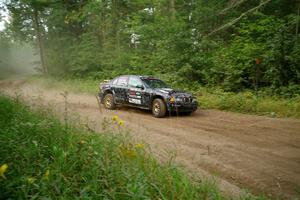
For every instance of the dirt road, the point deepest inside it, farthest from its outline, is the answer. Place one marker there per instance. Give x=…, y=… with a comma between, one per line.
x=258, y=153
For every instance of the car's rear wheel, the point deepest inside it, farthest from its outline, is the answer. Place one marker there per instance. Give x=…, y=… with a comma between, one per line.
x=109, y=102
x=159, y=108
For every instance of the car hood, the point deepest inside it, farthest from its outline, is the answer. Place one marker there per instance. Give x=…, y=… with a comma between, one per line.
x=173, y=92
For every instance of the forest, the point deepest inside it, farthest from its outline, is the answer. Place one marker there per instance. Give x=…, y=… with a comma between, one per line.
x=235, y=45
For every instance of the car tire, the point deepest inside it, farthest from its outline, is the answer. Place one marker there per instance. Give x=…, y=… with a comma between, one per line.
x=109, y=102
x=159, y=108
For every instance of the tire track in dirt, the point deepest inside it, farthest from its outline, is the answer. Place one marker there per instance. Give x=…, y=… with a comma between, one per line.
x=254, y=152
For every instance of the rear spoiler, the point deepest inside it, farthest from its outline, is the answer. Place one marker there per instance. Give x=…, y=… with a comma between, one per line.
x=103, y=82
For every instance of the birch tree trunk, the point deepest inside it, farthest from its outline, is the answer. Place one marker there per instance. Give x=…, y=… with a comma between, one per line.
x=40, y=41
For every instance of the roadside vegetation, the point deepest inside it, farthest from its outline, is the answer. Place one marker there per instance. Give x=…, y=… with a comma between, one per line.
x=249, y=103
x=260, y=103
x=41, y=158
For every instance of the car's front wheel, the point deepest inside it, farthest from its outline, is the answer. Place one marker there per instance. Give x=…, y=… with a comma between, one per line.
x=159, y=108
x=109, y=101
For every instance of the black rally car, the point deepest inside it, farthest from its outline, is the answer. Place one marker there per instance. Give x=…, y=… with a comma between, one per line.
x=147, y=93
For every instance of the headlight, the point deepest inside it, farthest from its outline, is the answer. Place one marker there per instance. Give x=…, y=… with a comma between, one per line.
x=178, y=99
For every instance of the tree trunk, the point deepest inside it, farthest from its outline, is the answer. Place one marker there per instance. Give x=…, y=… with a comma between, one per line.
x=172, y=10
x=153, y=10
x=115, y=21
x=40, y=41
x=297, y=22
x=101, y=31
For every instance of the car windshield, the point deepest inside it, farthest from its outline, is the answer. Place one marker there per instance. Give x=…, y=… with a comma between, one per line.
x=154, y=83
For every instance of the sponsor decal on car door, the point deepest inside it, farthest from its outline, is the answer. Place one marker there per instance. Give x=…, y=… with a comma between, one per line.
x=135, y=96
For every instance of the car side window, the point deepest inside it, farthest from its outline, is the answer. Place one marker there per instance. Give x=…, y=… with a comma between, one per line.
x=134, y=82
x=122, y=81
x=114, y=82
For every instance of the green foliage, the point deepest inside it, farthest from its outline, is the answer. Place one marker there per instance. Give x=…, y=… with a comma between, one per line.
x=45, y=160
x=265, y=40
x=248, y=102
x=169, y=38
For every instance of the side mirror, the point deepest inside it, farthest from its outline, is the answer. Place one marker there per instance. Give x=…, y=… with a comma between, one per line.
x=140, y=86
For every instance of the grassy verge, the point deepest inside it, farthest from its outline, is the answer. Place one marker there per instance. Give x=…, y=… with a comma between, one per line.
x=248, y=102
x=46, y=160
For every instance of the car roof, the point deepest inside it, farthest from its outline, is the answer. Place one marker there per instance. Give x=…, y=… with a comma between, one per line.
x=139, y=76
x=147, y=77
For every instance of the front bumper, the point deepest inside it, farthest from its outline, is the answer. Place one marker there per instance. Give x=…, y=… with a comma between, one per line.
x=182, y=107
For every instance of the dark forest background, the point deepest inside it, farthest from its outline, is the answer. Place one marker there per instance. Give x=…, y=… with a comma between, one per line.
x=232, y=44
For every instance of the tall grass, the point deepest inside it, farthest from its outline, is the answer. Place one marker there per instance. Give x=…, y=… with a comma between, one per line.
x=248, y=102
x=46, y=161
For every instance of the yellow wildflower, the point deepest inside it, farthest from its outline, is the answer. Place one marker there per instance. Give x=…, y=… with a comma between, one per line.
x=46, y=175
x=121, y=123
x=3, y=169
x=139, y=145
x=115, y=118
x=31, y=180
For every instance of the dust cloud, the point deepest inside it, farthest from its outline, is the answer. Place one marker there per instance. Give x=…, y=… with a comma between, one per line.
x=18, y=59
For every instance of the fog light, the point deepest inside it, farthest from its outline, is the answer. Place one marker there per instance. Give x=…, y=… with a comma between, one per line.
x=172, y=99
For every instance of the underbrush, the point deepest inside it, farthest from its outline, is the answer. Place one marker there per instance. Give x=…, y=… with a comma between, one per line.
x=209, y=98
x=47, y=160
x=248, y=102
